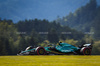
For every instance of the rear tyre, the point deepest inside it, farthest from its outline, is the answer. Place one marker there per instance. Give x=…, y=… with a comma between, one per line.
x=85, y=51
x=40, y=51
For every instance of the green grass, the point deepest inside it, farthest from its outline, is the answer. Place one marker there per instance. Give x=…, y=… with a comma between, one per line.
x=56, y=60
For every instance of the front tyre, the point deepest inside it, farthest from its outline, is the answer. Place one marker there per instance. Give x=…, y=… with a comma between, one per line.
x=40, y=51
x=85, y=51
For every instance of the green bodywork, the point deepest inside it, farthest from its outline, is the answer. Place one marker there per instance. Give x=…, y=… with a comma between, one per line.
x=61, y=48
x=64, y=47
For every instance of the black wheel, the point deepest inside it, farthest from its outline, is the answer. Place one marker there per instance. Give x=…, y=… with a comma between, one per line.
x=85, y=51
x=40, y=51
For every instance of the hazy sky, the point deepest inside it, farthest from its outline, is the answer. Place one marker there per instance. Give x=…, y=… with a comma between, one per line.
x=41, y=9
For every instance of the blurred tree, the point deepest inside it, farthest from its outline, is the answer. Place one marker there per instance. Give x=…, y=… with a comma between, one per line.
x=63, y=37
x=22, y=43
x=8, y=36
x=96, y=48
x=3, y=50
x=52, y=36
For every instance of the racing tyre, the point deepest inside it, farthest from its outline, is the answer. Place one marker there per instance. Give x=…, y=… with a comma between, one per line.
x=85, y=51
x=40, y=51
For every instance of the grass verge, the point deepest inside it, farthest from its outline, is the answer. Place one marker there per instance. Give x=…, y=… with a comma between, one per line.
x=55, y=60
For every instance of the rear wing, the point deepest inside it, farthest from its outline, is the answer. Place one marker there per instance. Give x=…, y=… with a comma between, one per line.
x=88, y=45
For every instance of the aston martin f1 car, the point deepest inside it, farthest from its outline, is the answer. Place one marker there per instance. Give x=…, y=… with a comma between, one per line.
x=61, y=49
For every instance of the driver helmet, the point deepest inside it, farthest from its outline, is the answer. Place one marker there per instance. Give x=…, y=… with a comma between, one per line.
x=60, y=42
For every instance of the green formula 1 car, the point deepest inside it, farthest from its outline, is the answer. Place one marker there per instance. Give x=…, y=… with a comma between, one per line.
x=61, y=49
